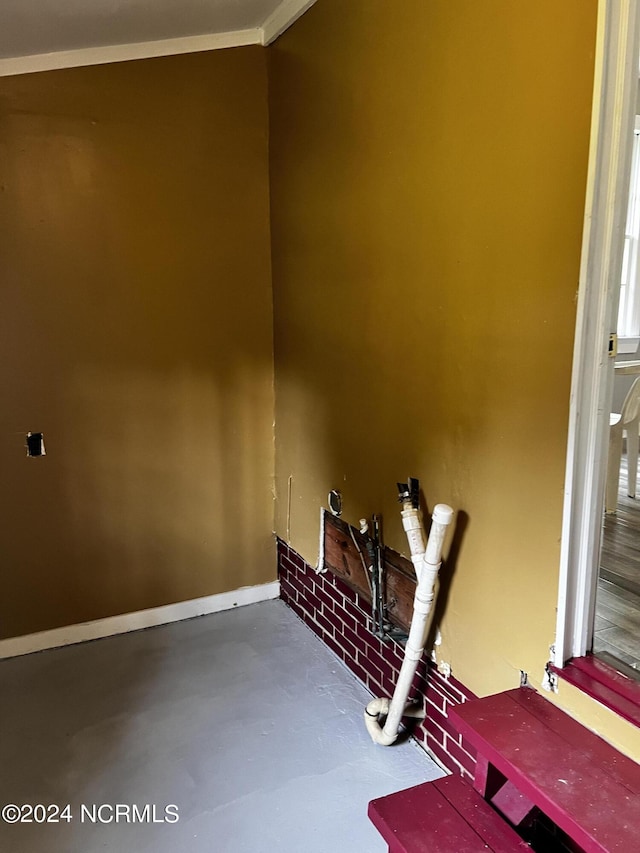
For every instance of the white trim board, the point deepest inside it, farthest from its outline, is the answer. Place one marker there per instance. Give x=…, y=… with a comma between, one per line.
x=125, y=52
x=112, y=625
x=282, y=18
x=592, y=379
x=286, y=14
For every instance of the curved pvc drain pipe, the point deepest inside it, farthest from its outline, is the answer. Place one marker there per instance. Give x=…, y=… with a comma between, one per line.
x=427, y=560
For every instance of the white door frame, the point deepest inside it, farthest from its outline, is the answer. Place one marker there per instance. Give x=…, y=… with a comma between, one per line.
x=615, y=90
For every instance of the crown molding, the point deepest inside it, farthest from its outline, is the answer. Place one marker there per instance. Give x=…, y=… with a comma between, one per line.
x=126, y=52
x=286, y=14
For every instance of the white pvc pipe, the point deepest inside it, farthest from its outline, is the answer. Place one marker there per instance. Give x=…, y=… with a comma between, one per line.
x=426, y=560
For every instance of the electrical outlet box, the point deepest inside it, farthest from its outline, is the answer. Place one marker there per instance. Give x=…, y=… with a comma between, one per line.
x=35, y=444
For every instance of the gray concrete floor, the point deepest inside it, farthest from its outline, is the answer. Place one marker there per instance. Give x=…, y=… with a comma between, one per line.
x=243, y=720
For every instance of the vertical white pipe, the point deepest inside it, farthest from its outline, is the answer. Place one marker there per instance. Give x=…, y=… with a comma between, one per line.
x=413, y=527
x=426, y=559
x=422, y=604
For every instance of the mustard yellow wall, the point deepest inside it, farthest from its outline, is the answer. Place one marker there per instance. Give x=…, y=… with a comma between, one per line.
x=136, y=333
x=428, y=172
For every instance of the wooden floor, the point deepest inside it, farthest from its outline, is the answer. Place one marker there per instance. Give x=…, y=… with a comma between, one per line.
x=617, y=624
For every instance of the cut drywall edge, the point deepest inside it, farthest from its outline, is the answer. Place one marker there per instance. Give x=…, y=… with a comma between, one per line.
x=112, y=625
x=321, y=568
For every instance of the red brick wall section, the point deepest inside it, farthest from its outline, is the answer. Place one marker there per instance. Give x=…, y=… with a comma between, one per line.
x=335, y=613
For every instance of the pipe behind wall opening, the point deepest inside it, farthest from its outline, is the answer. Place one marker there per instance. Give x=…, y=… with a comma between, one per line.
x=426, y=559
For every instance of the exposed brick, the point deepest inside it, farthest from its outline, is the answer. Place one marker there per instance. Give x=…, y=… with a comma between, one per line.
x=313, y=600
x=423, y=671
x=307, y=580
x=297, y=610
x=321, y=581
x=349, y=649
x=287, y=565
x=435, y=699
x=282, y=548
x=389, y=674
x=460, y=688
x=360, y=628
x=355, y=639
x=392, y=670
x=440, y=685
x=307, y=608
x=325, y=598
x=342, y=620
x=345, y=590
x=288, y=587
x=419, y=683
x=288, y=584
x=374, y=686
x=288, y=599
x=442, y=756
x=357, y=670
x=388, y=686
x=450, y=692
x=296, y=583
x=436, y=679
x=438, y=734
x=285, y=584
x=297, y=560
x=442, y=722
x=377, y=661
x=374, y=676
x=347, y=618
x=434, y=731
x=333, y=645
x=352, y=609
x=468, y=748
x=324, y=623
x=282, y=575
x=459, y=755
x=395, y=655
x=317, y=630
x=374, y=641
x=419, y=734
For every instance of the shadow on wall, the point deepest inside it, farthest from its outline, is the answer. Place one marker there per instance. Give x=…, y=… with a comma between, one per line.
x=446, y=575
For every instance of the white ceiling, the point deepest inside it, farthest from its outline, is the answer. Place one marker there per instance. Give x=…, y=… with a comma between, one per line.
x=80, y=29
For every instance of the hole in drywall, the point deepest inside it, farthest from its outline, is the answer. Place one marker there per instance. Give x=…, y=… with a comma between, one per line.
x=335, y=502
x=35, y=444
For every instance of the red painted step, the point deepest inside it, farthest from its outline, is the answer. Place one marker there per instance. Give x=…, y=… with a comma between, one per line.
x=584, y=785
x=445, y=816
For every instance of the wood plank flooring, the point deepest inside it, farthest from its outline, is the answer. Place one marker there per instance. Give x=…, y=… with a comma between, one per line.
x=617, y=624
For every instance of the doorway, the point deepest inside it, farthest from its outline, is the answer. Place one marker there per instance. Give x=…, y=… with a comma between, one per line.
x=614, y=109
x=616, y=635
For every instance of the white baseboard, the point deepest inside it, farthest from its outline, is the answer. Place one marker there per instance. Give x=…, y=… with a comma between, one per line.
x=112, y=625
